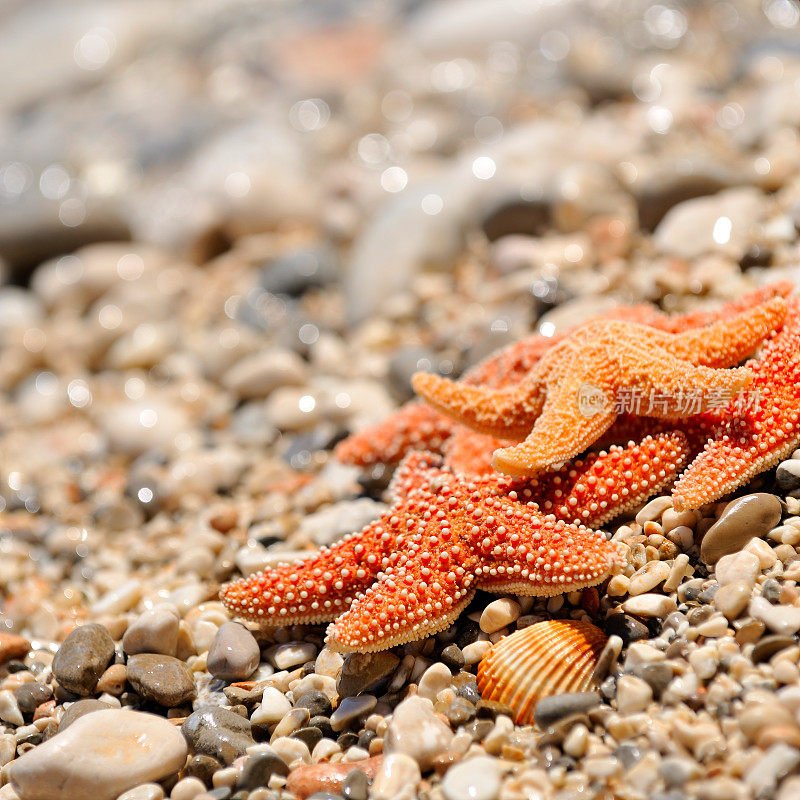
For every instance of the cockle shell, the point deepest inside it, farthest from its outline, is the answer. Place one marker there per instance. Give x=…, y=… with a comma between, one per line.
x=547, y=658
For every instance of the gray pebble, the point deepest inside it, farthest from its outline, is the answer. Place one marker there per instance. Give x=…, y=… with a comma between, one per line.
x=218, y=732
x=31, y=695
x=355, y=785
x=259, y=768
x=309, y=735
x=787, y=476
x=350, y=709
x=299, y=270
x=771, y=590
x=361, y=671
x=154, y=631
x=767, y=646
x=316, y=702
x=741, y=520
x=163, y=679
x=83, y=658
x=551, y=709
x=657, y=675
x=453, y=657
x=79, y=709
x=233, y=654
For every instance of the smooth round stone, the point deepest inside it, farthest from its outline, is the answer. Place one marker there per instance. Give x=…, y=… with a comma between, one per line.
x=732, y=599
x=650, y=605
x=286, y=656
x=633, y=694
x=433, y=680
x=498, y=614
x=326, y=777
x=551, y=709
x=296, y=272
x=453, y=657
x=9, y=709
x=742, y=519
x=13, y=646
x=416, y=731
x=741, y=568
x=350, y=709
x=473, y=779
x=147, y=791
x=317, y=703
x=780, y=619
x=259, y=375
x=31, y=695
x=329, y=524
x=234, y=653
x=361, y=671
x=113, y=680
x=100, y=756
x=396, y=772
x=356, y=785
x=218, y=732
x=163, y=679
x=628, y=628
x=767, y=646
x=187, y=789
x=79, y=709
x=154, y=631
x=259, y=768
x=294, y=719
x=787, y=476
x=83, y=658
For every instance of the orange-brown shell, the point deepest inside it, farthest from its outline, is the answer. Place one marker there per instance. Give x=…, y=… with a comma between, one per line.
x=547, y=658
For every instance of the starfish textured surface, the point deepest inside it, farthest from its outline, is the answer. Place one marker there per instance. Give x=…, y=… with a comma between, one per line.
x=570, y=397
x=755, y=438
x=411, y=572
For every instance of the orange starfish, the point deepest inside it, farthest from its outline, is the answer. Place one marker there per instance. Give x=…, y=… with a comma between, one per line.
x=417, y=426
x=755, y=437
x=573, y=394
x=411, y=572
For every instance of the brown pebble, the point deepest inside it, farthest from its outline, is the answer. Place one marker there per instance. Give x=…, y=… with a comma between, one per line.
x=224, y=519
x=778, y=734
x=13, y=646
x=741, y=520
x=310, y=778
x=113, y=680
x=44, y=710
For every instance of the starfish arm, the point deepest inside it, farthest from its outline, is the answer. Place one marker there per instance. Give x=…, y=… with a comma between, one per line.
x=729, y=341
x=416, y=426
x=510, y=365
x=539, y=555
x=757, y=437
x=604, y=485
x=470, y=453
x=429, y=583
x=504, y=413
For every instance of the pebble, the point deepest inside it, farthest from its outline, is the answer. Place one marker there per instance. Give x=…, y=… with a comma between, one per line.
x=350, y=709
x=218, y=732
x=286, y=656
x=30, y=695
x=154, y=631
x=550, y=710
x=100, y=756
x=781, y=619
x=82, y=658
x=326, y=777
x=257, y=376
x=356, y=785
x=653, y=510
x=741, y=568
x=741, y=520
x=273, y=708
x=778, y=761
x=397, y=772
x=650, y=605
x=767, y=646
x=498, y=614
x=146, y=791
x=472, y=779
x=328, y=525
x=113, y=681
x=9, y=708
x=361, y=672
x=633, y=694
x=436, y=678
x=317, y=703
x=163, y=679
x=259, y=768
x=187, y=789
x=234, y=653
x=648, y=577
x=417, y=732
x=787, y=476
x=12, y=646
x=732, y=599
x=79, y=709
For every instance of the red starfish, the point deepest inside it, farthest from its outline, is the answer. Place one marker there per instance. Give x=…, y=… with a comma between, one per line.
x=412, y=571
x=754, y=438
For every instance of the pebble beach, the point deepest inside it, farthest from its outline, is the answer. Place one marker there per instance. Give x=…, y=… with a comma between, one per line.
x=230, y=233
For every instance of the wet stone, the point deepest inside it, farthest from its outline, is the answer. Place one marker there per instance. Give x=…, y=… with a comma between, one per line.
x=787, y=476
x=309, y=735
x=202, y=767
x=350, y=709
x=657, y=676
x=771, y=590
x=469, y=691
x=363, y=671
x=452, y=657
x=324, y=725
x=163, y=679
x=31, y=695
x=79, y=709
x=218, y=732
x=767, y=646
x=82, y=658
x=259, y=768
x=356, y=785
x=317, y=703
x=472, y=779
x=234, y=653
x=154, y=631
x=626, y=627
x=552, y=709
x=741, y=520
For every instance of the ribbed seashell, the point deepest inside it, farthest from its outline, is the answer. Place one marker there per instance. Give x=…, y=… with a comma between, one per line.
x=547, y=658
